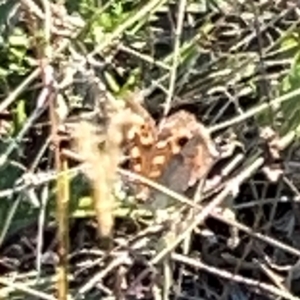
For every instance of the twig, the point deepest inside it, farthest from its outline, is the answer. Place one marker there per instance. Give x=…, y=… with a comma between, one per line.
x=23, y=288
x=99, y=276
x=63, y=227
x=13, y=95
x=139, y=15
x=61, y=164
x=147, y=58
x=256, y=110
x=255, y=284
x=176, y=56
x=48, y=177
x=9, y=217
x=201, y=216
x=187, y=201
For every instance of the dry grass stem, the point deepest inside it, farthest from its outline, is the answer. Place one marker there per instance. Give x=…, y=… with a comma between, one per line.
x=102, y=164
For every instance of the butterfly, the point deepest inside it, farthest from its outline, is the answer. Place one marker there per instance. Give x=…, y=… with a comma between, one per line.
x=176, y=153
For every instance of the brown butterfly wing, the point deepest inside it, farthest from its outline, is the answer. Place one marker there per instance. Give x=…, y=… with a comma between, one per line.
x=191, y=164
x=177, y=154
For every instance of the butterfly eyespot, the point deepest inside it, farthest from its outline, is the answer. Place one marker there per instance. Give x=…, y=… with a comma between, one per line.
x=182, y=141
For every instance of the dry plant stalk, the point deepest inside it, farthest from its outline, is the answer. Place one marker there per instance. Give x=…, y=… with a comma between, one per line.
x=102, y=165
